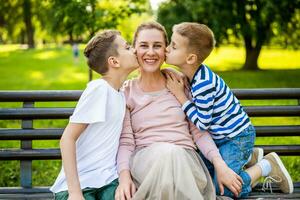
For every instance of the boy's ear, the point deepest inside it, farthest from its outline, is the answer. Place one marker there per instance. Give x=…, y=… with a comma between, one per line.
x=113, y=61
x=191, y=59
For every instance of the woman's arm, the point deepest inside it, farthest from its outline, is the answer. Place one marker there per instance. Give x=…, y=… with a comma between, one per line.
x=126, y=187
x=225, y=176
x=68, y=153
x=127, y=143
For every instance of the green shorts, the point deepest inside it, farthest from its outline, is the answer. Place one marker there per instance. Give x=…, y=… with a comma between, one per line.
x=106, y=192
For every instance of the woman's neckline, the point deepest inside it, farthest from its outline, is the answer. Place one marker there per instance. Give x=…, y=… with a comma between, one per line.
x=150, y=93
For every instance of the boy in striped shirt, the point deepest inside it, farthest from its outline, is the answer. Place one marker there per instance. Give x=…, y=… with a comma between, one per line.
x=215, y=108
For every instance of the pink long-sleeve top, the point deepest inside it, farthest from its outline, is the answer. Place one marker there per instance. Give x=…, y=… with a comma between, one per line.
x=157, y=117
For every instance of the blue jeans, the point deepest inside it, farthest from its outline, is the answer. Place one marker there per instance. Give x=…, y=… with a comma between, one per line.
x=235, y=152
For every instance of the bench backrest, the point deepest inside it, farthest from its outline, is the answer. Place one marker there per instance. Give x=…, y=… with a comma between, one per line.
x=28, y=113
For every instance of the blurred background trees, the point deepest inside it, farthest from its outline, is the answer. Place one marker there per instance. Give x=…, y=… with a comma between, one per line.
x=25, y=21
x=252, y=23
x=248, y=23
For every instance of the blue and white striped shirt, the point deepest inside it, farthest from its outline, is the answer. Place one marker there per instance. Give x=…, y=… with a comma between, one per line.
x=214, y=107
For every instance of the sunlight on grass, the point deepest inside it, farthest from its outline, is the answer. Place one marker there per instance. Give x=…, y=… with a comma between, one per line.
x=37, y=75
x=232, y=58
x=279, y=59
x=226, y=58
x=46, y=55
x=9, y=47
x=68, y=75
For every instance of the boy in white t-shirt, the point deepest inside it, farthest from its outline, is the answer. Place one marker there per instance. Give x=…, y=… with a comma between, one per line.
x=90, y=141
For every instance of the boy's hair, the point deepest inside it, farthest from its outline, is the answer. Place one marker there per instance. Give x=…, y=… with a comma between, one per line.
x=151, y=25
x=99, y=48
x=201, y=39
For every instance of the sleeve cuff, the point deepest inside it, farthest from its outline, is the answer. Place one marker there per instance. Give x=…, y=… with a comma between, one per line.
x=185, y=106
x=123, y=166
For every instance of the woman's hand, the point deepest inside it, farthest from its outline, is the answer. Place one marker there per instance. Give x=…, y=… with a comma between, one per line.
x=126, y=188
x=227, y=177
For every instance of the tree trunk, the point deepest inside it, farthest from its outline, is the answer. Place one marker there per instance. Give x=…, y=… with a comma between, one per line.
x=251, y=62
x=93, y=15
x=71, y=40
x=28, y=23
x=90, y=74
x=252, y=53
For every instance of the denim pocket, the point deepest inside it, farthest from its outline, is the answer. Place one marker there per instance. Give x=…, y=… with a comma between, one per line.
x=245, y=142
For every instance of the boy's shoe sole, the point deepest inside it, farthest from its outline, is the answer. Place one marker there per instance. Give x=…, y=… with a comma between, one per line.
x=273, y=158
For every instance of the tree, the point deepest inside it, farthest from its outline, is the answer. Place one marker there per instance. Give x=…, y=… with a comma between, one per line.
x=28, y=23
x=75, y=18
x=253, y=21
x=168, y=15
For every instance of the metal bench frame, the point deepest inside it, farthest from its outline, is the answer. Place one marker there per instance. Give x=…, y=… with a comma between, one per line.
x=27, y=133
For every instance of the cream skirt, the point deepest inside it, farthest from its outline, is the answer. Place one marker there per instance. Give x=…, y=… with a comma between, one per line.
x=165, y=171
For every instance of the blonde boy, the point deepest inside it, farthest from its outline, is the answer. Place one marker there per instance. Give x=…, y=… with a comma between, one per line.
x=90, y=141
x=214, y=108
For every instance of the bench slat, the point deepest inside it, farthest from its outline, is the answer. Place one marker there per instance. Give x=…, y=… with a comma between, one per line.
x=21, y=190
x=45, y=154
x=283, y=150
x=31, y=134
x=273, y=131
x=272, y=111
x=73, y=95
x=64, y=113
x=32, y=154
x=55, y=133
x=35, y=113
x=267, y=93
x=40, y=95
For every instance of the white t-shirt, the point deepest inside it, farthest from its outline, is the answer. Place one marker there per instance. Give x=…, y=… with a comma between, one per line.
x=103, y=108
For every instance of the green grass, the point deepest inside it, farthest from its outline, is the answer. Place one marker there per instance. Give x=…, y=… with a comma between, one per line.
x=53, y=68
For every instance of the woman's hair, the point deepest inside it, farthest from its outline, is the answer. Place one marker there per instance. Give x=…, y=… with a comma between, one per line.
x=99, y=48
x=151, y=25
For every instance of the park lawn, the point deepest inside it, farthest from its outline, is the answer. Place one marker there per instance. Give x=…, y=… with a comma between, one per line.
x=52, y=68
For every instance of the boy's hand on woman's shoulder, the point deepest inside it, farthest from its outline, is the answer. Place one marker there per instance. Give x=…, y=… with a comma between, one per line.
x=176, y=85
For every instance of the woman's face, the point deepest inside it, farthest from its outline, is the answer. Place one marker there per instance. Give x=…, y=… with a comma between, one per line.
x=150, y=49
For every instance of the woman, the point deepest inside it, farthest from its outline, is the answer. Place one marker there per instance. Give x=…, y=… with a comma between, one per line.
x=157, y=142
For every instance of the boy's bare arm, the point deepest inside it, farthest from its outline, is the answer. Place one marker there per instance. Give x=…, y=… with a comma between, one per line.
x=176, y=85
x=68, y=153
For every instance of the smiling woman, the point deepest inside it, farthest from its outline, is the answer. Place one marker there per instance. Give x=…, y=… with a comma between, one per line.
x=157, y=150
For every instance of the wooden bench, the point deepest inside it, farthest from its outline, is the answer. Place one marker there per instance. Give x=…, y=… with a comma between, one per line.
x=26, y=134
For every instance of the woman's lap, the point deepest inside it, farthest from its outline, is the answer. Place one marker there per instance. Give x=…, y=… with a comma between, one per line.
x=161, y=167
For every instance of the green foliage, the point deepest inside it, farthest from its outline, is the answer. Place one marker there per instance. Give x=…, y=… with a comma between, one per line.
x=10, y=17
x=168, y=15
x=250, y=22
x=56, y=20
